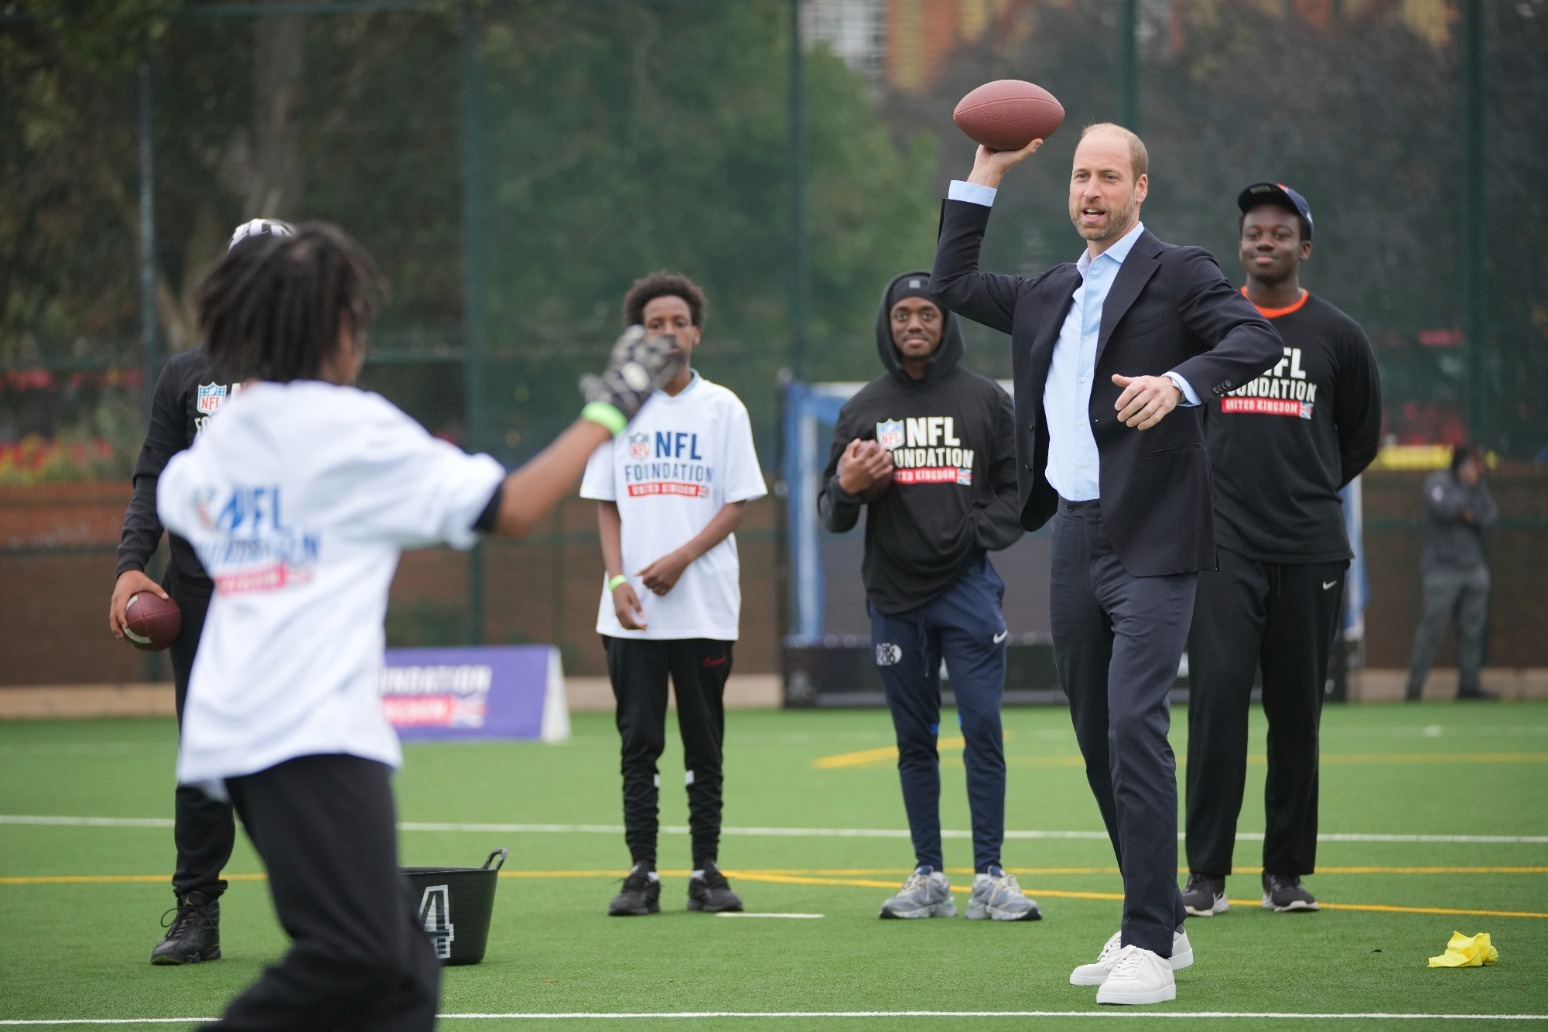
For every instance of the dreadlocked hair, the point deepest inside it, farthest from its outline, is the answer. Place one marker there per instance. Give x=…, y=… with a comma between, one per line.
x=663, y=284
x=275, y=307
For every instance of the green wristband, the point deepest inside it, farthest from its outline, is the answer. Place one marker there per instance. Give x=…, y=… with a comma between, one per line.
x=603, y=414
x=612, y=584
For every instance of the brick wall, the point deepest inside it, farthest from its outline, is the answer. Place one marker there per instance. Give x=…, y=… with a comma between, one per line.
x=56, y=562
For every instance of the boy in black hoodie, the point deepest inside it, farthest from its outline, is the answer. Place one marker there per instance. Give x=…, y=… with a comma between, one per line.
x=929, y=449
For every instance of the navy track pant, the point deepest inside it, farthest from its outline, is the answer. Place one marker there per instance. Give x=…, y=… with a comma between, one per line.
x=963, y=627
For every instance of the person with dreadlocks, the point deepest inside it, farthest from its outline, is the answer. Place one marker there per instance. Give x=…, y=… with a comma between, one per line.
x=298, y=501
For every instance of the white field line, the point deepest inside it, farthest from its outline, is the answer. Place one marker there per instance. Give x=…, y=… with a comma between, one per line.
x=682, y=829
x=808, y=1015
x=86, y=748
x=794, y=917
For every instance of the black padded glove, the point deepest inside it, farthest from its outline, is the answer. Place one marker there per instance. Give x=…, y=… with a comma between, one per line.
x=636, y=367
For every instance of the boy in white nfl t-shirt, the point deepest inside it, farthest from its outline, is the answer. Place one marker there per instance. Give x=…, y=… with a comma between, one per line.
x=670, y=491
x=298, y=498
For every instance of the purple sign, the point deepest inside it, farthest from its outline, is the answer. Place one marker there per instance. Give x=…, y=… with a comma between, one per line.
x=512, y=691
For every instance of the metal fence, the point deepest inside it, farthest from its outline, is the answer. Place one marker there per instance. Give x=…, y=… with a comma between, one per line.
x=515, y=165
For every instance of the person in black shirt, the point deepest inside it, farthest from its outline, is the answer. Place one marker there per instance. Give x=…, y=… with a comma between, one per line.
x=1457, y=510
x=188, y=393
x=1281, y=447
x=928, y=448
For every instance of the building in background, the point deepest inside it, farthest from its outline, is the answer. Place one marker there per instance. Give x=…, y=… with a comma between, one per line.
x=903, y=44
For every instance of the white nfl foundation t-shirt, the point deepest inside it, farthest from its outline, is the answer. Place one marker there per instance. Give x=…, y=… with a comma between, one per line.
x=679, y=463
x=298, y=499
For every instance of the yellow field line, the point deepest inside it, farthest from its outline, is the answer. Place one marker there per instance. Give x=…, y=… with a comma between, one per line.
x=842, y=876
x=871, y=757
x=1523, y=757
x=1032, y=871
x=1432, y=870
x=755, y=876
x=789, y=878
x=112, y=879
x=1382, y=909
x=887, y=756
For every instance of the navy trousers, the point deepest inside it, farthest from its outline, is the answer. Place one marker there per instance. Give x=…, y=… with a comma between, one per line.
x=964, y=627
x=1118, y=642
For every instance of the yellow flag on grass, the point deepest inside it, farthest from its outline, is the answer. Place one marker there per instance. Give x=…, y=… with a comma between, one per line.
x=1467, y=951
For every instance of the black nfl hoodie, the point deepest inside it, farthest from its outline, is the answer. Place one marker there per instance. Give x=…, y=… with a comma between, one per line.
x=953, y=495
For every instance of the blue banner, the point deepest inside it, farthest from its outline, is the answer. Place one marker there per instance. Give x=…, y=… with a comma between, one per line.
x=452, y=694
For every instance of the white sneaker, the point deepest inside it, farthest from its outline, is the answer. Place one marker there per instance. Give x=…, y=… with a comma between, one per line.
x=1096, y=974
x=1139, y=976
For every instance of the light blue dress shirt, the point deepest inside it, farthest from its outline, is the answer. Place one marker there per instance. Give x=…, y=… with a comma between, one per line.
x=1074, y=469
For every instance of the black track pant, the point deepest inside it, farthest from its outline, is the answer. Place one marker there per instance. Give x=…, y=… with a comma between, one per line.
x=203, y=829
x=698, y=668
x=1282, y=618
x=359, y=959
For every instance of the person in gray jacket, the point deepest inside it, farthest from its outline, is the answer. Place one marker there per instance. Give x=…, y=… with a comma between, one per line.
x=1457, y=511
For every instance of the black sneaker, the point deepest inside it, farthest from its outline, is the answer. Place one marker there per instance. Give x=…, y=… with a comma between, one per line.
x=1282, y=893
x=194, y=933
x=711, y=893
x=641, y=894
x=1204, y=895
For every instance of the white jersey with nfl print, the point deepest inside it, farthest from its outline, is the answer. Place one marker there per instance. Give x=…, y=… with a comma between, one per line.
x=298, y=501
x=680, y=462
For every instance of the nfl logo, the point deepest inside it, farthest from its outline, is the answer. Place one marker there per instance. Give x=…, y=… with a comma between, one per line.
x=210, y=397
x=890, y=434
x=639, y=446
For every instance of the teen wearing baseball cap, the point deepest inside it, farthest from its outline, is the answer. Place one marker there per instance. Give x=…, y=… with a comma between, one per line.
x=1280, y=195
x=1281, y=447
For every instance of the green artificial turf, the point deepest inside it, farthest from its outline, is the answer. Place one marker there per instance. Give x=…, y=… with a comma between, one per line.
x=81, y=902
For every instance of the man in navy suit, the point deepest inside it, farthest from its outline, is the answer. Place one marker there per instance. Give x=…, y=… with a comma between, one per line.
x=1112, y=356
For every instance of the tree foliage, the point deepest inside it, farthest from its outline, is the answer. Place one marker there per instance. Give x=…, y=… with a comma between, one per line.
x=622, y=136
x=632, y=136
x=1363, y=115
x=617, y=138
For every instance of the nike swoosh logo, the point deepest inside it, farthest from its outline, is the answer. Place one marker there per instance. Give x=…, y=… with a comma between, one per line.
x=1328, y=584
x=715, y=662
x=1000, y=637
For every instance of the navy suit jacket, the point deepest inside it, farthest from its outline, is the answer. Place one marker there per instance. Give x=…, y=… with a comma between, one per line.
x=1169, y=309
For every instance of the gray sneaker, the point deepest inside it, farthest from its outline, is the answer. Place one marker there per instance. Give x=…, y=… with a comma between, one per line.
x=997, y=897
x=709, y=891
x=1204, y=895
x=926, y=893
x=1284, y=894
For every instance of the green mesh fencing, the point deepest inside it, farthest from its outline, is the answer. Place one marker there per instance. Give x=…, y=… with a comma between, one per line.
x=514, y=166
